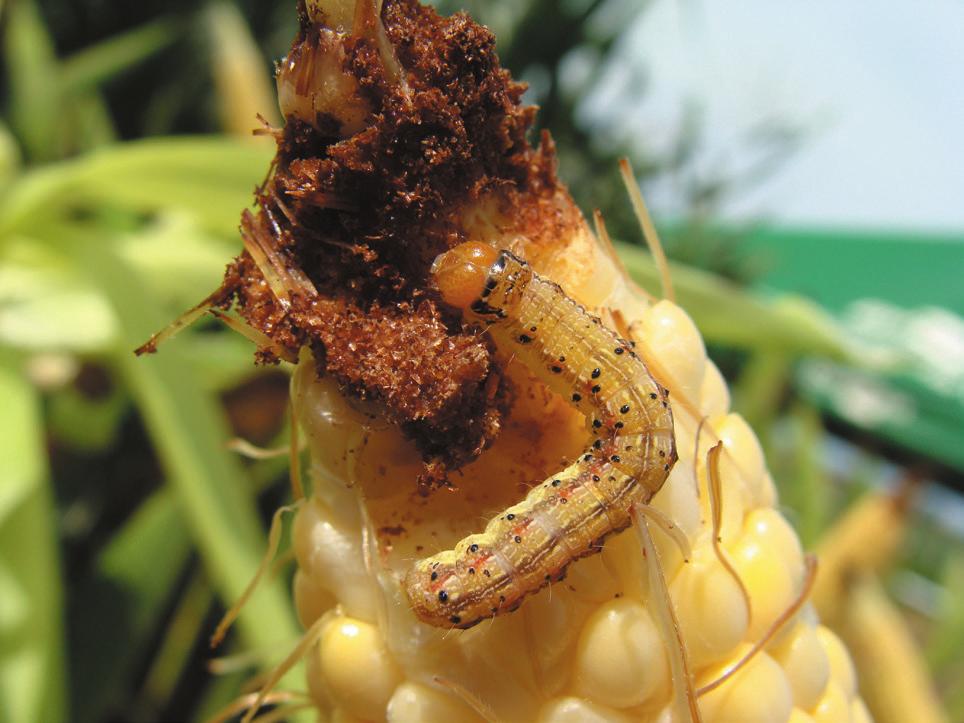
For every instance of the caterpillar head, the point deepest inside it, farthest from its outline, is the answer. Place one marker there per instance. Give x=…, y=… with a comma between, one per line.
x=459, y=274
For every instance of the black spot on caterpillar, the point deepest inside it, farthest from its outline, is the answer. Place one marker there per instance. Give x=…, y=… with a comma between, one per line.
x=568, y=515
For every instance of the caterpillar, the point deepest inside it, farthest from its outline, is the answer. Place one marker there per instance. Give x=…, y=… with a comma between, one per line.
x=568, y=515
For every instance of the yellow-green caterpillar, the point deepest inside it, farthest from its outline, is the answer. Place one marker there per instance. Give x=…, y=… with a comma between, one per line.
x=568, y=515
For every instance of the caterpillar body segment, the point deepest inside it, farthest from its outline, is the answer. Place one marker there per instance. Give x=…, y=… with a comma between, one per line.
x=568, y=515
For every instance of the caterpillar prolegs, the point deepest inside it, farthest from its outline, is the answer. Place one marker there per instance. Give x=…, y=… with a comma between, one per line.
x=568, y=515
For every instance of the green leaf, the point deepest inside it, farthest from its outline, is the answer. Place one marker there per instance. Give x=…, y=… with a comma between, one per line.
x=85, y=423
x=208, y=178
x=188, y=429
x=88, y=68
x=806, y=487
x=243, y=85
x=9, y=155
x=46, y=307
x=221, y=361
x=760, y=389
x=180, y=637
x=31, y=631
x=119, y=608
x=90, y=122
x=181, y=262
x=33, y=77
x=727, y=315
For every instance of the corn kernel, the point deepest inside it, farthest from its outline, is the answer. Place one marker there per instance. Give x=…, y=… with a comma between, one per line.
x=759, y=692
x=767, y=492
x=798, y=716
x=592, y=280
x=554, y=618
x=805, y=661
x=342, y=716
x=311, y=599
x=733, y=496
x=328, y=550
x=356, y=667
x=714, y=394
x=859, y=712
x=575, y=710
x=769, y=560
x=677, y=500
x=414, y=703
x=710, y=608
x=833, y=706
x=681, y=355
x=743, y=460
x=329, y=423
x=841, y=666
x=620, y=658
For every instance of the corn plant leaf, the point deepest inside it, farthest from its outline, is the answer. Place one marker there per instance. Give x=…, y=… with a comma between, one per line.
x=88, y=68
x=32, y=75
x=122, y=603
x=50, y=308
x=83, y=422
x=729, y=316
x=181, y=262
x=241, y=79
x=188, y=430
x=222, y=361
x=208, y=178
x=31, y=632
x=9, y=156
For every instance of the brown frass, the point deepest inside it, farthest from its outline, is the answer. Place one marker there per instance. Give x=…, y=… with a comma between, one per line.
x=362, y=217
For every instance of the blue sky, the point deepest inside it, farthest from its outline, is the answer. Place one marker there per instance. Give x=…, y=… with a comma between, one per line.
x=878, y=88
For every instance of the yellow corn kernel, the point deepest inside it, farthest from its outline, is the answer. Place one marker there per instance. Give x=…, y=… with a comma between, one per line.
x=841, y=666
x=575, y=710
x=681, y=355
x=714, y=394
x=806, y=663
x=328, y=550
x=745, y=456
x=356, y=668
x=733, y=496
x=620, y=658
x=679, y=502
x=412, y=702
x=833, y=706
x=859, y=712
x=798, y=716
x=769, y=560
x=312, y=600
x=759, y=692
x=710, y=607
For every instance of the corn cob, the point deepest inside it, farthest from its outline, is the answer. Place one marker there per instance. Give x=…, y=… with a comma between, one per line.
x=709, y=634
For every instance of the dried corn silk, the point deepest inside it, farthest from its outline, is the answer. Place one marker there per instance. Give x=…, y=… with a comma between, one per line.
x=476, y=433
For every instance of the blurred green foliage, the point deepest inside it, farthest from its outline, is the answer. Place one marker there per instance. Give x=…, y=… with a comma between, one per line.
x=125, y=524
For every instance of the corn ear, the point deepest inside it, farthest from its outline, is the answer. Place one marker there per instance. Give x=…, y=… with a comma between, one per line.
x=716, y=630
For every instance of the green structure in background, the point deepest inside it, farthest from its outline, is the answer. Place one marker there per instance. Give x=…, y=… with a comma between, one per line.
x=901, y=293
